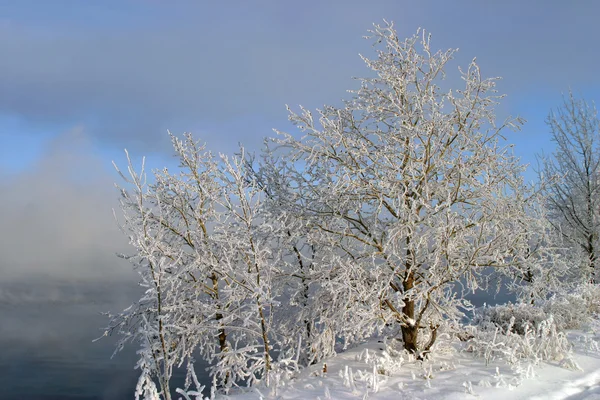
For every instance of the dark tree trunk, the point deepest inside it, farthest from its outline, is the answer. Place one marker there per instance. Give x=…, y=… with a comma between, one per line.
x=218, y=316
x=410, y=331
x=592, y=265
x=591, y=254
x=410, y=334
x=222, y=336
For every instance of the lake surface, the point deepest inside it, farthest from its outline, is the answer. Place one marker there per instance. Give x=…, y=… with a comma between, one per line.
x=46, y=349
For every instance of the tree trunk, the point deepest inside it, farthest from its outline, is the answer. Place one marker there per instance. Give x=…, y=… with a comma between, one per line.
x=410, y=331
x=218, y=317
x=222, y=335
x=591, y=255
x=265, y=337
x=529, y=279
x=592, y=258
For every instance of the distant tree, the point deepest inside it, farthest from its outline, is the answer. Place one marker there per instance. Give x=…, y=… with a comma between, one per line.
x=410, y=187
x=574, y=197
x=546, y=266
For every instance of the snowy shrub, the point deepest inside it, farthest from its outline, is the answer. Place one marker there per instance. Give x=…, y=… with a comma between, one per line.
x=508, y=317
x=537, y=343
x=572, y=309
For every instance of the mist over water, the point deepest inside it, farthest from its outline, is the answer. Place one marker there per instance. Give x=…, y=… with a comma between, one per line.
x=58, y=273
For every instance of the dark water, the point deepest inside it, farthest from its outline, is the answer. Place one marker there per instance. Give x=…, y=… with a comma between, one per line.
x=46, y=349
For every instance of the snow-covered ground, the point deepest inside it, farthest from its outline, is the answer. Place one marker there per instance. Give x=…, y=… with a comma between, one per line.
x=372, y=371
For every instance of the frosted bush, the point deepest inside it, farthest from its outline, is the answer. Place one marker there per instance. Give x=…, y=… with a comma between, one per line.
x=509, y=317
x=576, y=308
x=537, y=343
x=571, y=309
x=532, y=333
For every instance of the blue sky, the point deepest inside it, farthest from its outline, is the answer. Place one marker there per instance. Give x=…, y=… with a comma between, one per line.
x=89, y=78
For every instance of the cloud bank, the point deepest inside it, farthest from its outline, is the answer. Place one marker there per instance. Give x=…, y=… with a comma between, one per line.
x=57, y=220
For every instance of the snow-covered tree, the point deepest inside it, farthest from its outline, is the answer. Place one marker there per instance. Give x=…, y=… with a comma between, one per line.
x=574, y=198
x=249, y=266
x=545, y=268
x=169, y=225
x=205, y=248
x=377, y=219
x=410, y=186
x=302, y=277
